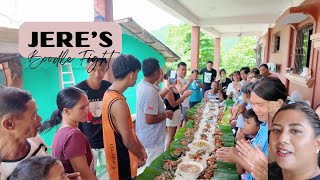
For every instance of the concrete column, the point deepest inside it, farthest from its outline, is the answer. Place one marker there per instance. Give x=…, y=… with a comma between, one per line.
x=103, y=12
x=267, y=53
x=216, y=63
x=195, y=44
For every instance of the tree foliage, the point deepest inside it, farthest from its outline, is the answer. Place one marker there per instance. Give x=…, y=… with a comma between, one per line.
x=242, y=54
x=178, y=39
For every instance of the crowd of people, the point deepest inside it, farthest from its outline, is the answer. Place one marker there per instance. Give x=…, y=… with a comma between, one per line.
x=94, y=125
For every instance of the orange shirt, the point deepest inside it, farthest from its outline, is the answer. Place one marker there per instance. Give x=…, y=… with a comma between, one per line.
x=121, y=163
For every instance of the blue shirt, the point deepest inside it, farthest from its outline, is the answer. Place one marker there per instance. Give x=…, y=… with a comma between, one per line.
x=262, y=141
x=240, y=120
x=196, y=95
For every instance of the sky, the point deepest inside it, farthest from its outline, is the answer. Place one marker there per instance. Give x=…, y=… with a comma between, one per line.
x=15, y=12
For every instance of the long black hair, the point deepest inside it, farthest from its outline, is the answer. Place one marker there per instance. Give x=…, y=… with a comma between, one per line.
x=67, y=98
x=271, y=89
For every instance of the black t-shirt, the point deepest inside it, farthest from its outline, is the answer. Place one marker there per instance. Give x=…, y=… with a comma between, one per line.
x=208, y=76
x=93, y=127
x=275, y=173
x=226, y=83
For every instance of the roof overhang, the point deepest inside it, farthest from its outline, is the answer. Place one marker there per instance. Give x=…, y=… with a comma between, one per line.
x=136, y=30
x=8, y=40
x=228, y=17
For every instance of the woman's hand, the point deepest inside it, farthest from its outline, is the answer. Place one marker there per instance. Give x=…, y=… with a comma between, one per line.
x=227, y=154
x=255, y=158
x=73, y=176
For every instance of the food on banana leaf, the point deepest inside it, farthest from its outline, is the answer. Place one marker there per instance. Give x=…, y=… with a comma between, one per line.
x=206, y=174
x=197, y=155
x=201, y=143
x=218, y=132
x=165, y=176
x=203, y=137
x=171, y=165
x=190, y=168
x=178, y=152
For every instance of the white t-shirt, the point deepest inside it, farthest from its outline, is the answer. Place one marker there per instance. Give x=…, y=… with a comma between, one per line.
x=185, y=103
x=37, y=148
x=235, y=93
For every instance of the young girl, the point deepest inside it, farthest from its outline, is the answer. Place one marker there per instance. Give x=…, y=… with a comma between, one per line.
x=250, y=129
x=69, y=145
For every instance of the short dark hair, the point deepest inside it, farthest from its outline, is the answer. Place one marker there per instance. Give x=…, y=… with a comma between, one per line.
x=195, y=70
x=258, y=76
x=210, y=62
x=247, y=88
x=251, y=114
x=245, y=69
x=149, y=66
x=236, y=72
x=35, y=167
x=124, y=64
x=271, y=89
x=255, y=71
x=264, y=65
x=221, y=71
x=181, y=64
x=13, y=101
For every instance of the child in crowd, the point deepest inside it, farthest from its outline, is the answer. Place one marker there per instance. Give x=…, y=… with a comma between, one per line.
x=250, y=130
x=39, y=167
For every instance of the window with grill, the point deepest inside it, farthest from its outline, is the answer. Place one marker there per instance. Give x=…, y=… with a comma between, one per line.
x=276, y=40
x=303, y=48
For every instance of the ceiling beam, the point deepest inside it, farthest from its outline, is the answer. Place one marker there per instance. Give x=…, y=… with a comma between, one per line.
x=258, y=19
x=211, y=31
x=175, y=8
x=238, y=34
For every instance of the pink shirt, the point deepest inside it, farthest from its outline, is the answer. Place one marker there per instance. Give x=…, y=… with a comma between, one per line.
x=69, y=143
x=273, y=75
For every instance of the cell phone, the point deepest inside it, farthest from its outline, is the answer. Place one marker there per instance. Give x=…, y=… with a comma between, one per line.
x=172, y=77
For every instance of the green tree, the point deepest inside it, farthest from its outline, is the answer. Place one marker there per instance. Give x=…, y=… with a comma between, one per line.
x=179, y=40
x=242, y=54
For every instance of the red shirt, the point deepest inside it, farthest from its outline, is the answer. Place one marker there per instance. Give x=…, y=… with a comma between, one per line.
x=69, y=143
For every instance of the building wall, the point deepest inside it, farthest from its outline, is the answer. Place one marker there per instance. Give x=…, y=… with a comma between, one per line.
x=43, y=82
x=285, y=57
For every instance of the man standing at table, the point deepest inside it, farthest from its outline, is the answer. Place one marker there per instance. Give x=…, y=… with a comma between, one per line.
x=209, y=75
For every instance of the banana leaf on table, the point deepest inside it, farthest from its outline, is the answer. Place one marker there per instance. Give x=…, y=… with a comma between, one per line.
x=190, y=124
x=225, y=129
x=156, y=167
x=227, y=166
x=229, y=102
x=175, y=145
x=226, y=116
x=225, y=176
x=180, y=134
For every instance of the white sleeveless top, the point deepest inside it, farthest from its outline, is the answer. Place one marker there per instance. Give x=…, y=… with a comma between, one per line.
x=212, y=96
x=37, y=148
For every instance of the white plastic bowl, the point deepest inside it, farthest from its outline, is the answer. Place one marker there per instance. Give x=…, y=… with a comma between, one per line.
x=200, y=148
x=188, y=174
